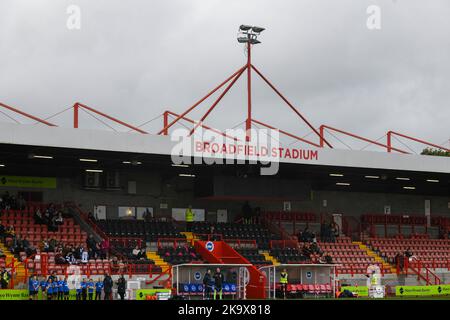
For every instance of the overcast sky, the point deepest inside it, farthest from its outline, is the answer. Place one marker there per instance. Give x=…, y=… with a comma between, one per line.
x=134, y=59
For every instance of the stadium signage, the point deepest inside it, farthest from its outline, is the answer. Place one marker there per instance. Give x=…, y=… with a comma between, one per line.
x=246, y=150
x=361, y=291
x=160, y=294
x=210, y=246
x=28, y=182
x=436, y=290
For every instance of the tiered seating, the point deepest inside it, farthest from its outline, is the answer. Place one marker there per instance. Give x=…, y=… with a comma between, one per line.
x=179, y=255
x=256, y=232
x=36, y=265
x=24, y=226
x=254, y=256
x=433, y=253
x=352, y=258
x=150, y=231
x=289, y=255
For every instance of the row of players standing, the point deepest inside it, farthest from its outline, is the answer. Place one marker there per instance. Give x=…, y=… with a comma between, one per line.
x=55, y=288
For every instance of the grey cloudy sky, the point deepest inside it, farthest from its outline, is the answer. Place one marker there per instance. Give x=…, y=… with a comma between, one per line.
x=134, y=59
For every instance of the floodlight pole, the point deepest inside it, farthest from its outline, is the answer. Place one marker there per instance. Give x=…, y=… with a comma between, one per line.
x=248, y=124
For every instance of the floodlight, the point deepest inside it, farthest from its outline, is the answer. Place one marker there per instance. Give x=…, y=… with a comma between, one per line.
x=254, y=41
x=245, y=27
x=243, y=39
x=258, y=29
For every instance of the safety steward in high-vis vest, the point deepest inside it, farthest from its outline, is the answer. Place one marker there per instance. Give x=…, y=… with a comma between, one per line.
x=189, y=216
x=284, y=282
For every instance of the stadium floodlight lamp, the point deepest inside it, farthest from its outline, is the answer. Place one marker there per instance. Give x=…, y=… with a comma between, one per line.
x=244, y=27
x=243, y=39
x=254, y=41
x=258, y=29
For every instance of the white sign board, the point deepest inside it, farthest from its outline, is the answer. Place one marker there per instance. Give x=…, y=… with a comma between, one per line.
x=127, y=212
x=100, y=212
x=222, y=216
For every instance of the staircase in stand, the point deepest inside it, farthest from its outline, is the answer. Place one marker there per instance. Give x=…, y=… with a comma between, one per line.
x=152, y=255
x=20, y=273
x=377, y=258
x=223, y=253
x=268, y=257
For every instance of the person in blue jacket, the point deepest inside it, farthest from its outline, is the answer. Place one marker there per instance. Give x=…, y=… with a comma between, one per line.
x=98, y=289
x=50, y=289
x=43, y=285
x=84, y=289
x=79, y=290
x=55, y=288
x=65, y=287
x=90, y=287
x=33, y=287
x=60, y=284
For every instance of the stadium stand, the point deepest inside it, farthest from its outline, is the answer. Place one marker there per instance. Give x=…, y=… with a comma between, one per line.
x=432, y=253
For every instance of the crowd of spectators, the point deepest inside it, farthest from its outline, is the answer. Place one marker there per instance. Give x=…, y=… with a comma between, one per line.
x=8, y=202
x=52, y=217
x=311, y=249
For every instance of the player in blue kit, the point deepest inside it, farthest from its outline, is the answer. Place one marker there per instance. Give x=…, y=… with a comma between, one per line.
x=43, y=285
x=79, y=291
x=98, y=289
x=60, y=284
x=50, y=289
x=66, y=289
x=90, y=287
x=33, y=287
x=84, y=289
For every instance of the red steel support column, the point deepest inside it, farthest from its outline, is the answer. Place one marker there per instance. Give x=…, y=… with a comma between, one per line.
x=248, y=124
x=27, y=115
x=75, y=115
x=203, y=99
x=389, y=141
x=289, y=104
x=166, y=121
x=322, y=135
x=217, y=101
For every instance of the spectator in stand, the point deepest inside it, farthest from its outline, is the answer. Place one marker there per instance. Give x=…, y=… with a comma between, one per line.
x=136, y=253
x=11, y=232
x=334, y=232
x=247, y=213
x=85, y=256
x=399, y=261
x=408, y=253
x=91, y=217
x=98, y=289
x=38, y=218
x=21, y=203
x=105, y=246
x=306, y=251
x=107, y=286
x=91, y=245
x=70, y=258
x=59, y=220
x=2, y=254
x=121, y=287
